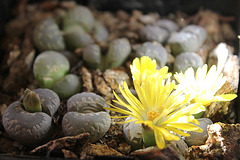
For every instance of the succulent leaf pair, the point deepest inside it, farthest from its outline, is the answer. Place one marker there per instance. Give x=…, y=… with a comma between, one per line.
x=30, y=120
x=117, y=53
x=50, y=69
x=78, y=26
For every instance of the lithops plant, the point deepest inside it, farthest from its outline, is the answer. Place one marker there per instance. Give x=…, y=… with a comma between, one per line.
x=155, y=51
x=85, y=113
x=67, y=86
x=199, y=31
x=100, y=32
x=189, y=39
x=167, y=24
x=154, y=33
x=81, y=16
x=187, y=59
x=49, y=67
x=76, y=37
x=47, y=36
x=118, y=52
x=133, y=134
x=183, y=42
x=92, y=56
x=30, y=120
x=198, y=139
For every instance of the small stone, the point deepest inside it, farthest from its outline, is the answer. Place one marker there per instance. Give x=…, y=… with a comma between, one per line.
x=124, y=148
x=69, y=154
x=112, y=143
x=168, y=153
x=86, y=79
x=222, y=143
x=100, y=150
x=102, y=86
x=114, y=78
x=197, y=138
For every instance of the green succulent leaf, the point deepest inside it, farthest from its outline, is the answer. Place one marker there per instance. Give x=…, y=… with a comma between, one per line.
x=31, y=101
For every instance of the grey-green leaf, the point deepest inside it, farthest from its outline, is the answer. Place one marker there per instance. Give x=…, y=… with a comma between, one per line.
x=49, y=67
x=118, y=52
x=81, y=16
x=47, y=36
x=67, y=86
x=76, y=37
x=155, y=51
x=86, y=114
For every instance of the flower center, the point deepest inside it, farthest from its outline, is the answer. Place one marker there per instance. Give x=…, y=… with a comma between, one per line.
x=152, y=115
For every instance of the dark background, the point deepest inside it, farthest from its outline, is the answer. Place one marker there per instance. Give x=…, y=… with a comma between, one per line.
x=163, y=7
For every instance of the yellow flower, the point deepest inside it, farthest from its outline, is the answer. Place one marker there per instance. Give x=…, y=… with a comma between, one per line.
x=145, y=66
x=160, y=108
x=204, y=85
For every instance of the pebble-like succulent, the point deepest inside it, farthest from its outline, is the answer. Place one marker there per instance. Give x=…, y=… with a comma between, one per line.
x=92, y=56
x=85, y=113
x=67, y=86
x=81, y=16
x=154, y=33
x=133, y=134
x=183, y=42
x=199, y=31
x=47, y=36
x=198, y=139
x=189, y=39
x=187, y=59
x=118, y=52
x=155, y=51
x=49, y=67
x=76, y=37
x=100, y=31
x=167, y=24
x=29, y=120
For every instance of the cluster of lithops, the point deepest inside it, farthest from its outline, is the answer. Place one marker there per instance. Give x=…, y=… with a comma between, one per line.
x=159, y=31
x=79, y=29
x=50, y=69
x=86, y=113
x=117, y=53
x=183, y=44
x=189, y=39
x=30, y=120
